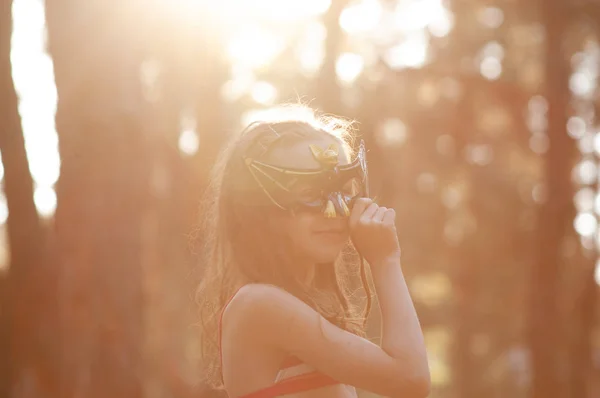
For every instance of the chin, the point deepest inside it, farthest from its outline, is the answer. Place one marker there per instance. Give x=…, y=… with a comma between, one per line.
x=327, y=254
x=326, y=249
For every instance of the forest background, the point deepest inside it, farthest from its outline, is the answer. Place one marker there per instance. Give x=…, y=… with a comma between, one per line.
x=481, y=119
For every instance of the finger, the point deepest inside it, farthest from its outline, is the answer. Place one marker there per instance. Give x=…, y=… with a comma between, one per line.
x=389, y=218
x=367, y=216
x=378, y=216
x=357, y=210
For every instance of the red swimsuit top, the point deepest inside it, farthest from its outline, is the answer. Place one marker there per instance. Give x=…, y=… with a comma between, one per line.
x=291, y=385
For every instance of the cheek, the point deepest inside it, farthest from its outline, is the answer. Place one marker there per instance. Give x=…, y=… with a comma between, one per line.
x=300, y=228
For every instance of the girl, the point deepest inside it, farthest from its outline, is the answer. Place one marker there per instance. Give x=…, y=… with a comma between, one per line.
x=286, y=196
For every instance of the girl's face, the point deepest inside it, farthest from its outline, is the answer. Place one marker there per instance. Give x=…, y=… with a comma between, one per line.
x=315, y=238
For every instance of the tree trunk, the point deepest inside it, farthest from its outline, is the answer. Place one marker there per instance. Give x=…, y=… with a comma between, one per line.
x=4, y=343
x=326, y=88
x=24, y=293
x=581, y=349
x=554, y=217
x=102, y=194
x=466, y=274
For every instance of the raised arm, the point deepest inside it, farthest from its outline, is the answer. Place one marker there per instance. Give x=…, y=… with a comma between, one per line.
x=276, y=319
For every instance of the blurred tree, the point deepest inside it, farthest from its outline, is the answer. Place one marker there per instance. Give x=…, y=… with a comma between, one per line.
x=584, y=19
x=184, y=75
x=467, y=275
x=26, y=294
x=102, y=193
x=208, y=72
x=546, y=335
x=581, y=359
x=450, y=146
x=6, y=104
x=450, y=135
x=4, y=343
x=325, y=86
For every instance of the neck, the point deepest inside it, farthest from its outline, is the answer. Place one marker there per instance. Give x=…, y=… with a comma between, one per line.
x=305, y=271
x=309, y=275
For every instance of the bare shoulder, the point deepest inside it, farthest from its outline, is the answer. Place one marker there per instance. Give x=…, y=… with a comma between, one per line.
x=258, y=292
x=262, y=303
x=274, y=319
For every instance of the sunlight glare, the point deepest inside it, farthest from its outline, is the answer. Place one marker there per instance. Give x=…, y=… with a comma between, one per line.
x=452, y=196
x=491, y=17
x=584, y=80
x=391, y=133
x=576, y=127
x=537, y=110
x=585, y=172
x=43, y=156
x=438, y=340
x=411, y=53
x=310, y=50
x=150, y=71
x=481, y=155
x=417, y=15
x=537, y=122
x=597, y=272
x=362, y=17
x=189, y=142
x=441, y=24
x=428, y=93
x=28, y=28
x=187, y=5
x=586, y=144
x=584, y=199
x=233, y=90
x=582, y=84
x=3, y=209
x=264, y=93
x=431, y=288
x=597, y=143
x=45, y=200
x=254, y=47
x=538, y=104
x=490, y=68
x=226, y=16
x=597, y=204
x=4, y=251
x=348, y=67
x=242, y=81
x=33, y=77
x=285, y=10
x=585, y=224
x=493, y=49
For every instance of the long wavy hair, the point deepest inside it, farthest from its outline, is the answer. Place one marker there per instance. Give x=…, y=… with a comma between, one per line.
x=241, y=246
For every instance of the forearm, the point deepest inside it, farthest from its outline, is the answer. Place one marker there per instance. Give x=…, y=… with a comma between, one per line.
x=401, y=335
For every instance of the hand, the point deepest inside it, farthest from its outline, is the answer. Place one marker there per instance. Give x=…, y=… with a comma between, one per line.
x=373, y=232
